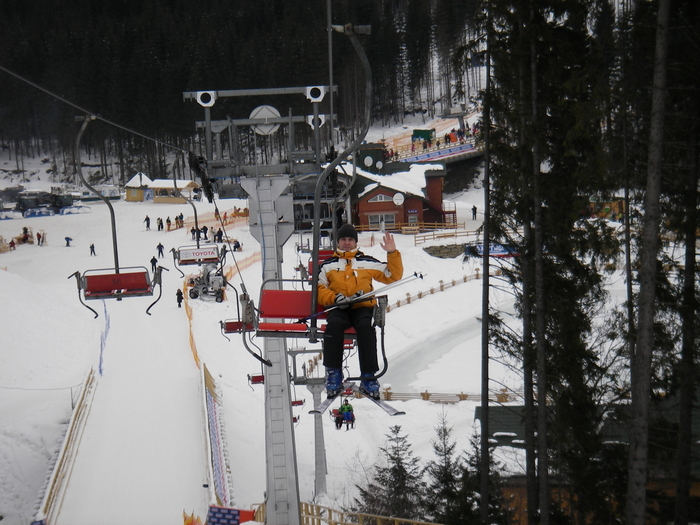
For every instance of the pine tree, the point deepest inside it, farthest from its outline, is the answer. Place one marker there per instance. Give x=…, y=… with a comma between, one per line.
x=396, y=488
x=467, y=505
x=444, y=478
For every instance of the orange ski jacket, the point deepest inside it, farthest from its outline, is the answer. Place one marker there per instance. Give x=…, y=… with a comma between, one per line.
x=352, y=271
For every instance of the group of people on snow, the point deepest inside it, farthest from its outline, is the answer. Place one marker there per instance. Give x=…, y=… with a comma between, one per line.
x=344, y=279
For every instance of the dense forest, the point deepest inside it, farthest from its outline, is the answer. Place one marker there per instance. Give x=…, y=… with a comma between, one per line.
x=583, y=101
x=130, y=62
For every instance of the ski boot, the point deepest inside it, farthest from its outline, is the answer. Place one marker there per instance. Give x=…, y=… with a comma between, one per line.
x=369, y=386
x=334, y=381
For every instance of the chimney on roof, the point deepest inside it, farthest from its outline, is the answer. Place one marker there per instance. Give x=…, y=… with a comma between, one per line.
x=434, y=182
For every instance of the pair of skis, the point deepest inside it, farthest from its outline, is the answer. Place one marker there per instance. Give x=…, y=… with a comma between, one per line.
x=350, y=388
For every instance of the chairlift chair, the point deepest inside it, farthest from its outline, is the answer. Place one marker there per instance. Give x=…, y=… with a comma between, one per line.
x=118, y=282
x=286, y=313
x=131, y=281
x=195, y=255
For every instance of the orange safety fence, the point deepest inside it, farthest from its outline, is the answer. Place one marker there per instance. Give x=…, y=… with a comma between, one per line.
x=230, y=272
x=233, y=269
x=188, y=311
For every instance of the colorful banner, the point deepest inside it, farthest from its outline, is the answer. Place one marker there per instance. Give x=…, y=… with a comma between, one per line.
x=495, y=250
x=439, y=154
x=216, y=441
x=228, y=516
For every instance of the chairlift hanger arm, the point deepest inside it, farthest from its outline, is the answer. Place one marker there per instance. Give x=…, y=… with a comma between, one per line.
x=85, y=121
x=348, y=30
x=257, y=356
x=157, y=279
x=80, y=289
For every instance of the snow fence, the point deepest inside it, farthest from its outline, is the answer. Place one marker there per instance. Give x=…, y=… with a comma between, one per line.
x=54, y=489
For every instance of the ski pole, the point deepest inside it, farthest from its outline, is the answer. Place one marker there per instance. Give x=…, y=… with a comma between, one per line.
x=368, y=295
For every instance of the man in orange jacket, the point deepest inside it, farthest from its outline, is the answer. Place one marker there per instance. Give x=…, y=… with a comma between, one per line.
x=343, y=278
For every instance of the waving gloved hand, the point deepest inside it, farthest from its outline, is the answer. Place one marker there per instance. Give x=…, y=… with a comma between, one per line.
x=342, y=301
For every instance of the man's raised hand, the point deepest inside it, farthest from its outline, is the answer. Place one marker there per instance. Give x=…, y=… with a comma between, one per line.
x=388, y=243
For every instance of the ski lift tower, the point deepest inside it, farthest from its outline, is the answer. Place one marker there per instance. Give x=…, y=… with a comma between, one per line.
x=271, y=221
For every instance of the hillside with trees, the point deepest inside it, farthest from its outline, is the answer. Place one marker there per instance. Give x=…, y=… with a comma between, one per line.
x=586, y=101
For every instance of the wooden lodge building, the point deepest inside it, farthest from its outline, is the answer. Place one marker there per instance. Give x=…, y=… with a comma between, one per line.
x=379, y=200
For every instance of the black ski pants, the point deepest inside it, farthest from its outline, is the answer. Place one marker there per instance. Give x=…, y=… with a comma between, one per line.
x=340, y=320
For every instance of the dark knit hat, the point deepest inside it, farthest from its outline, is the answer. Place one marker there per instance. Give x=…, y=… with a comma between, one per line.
x=347, y=230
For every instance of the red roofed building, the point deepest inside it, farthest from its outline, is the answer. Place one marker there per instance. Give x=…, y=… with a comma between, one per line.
x=379, y=203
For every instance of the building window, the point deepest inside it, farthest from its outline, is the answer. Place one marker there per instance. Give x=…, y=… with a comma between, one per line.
x=413, y=219
x=380, y=198
x=376, y=219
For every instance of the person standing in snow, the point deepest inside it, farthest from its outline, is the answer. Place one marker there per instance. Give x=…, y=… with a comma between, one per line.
x=179, y=296
x=92, y=249
x=147, y=221
x=347, y=275
x=154, y=263
x=160, y=249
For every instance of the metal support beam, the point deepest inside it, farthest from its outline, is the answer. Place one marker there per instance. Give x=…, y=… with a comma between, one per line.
x=321, y=467
x=303, y=90
x=272, y=223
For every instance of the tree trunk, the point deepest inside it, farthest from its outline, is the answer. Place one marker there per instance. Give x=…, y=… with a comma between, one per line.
x=485, y=434
x=641, y=360
x=687, y=367
x=528, y=386
x=539, y=312
x=529, y=359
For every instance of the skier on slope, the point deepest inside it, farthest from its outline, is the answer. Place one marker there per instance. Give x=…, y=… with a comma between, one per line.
x=342, y=278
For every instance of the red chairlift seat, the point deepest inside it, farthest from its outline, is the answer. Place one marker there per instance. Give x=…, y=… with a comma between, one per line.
x=289, y=307
x=322, y=256
x=133, y=281
x=285, y=313
x=256, y=379
x=286, y=308
x=335, y=412
x=129, y=282
x=234, y=327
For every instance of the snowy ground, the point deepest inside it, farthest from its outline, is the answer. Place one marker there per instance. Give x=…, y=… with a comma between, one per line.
x=141, y=456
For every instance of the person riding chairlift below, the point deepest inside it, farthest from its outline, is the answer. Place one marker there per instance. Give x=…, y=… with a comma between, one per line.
x=343, y=278
x=347, y=414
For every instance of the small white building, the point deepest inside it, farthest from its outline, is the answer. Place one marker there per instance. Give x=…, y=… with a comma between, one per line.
x=137, y=189
x=164, y=190
x=140, y=188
